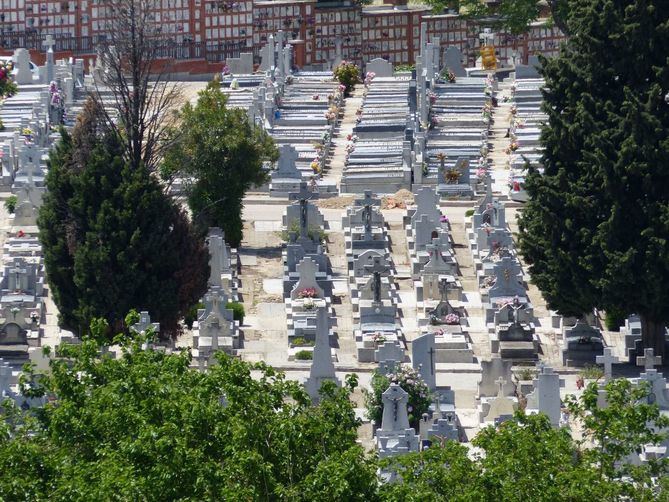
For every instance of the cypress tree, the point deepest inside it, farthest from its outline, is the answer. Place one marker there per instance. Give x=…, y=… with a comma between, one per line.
x=112, y=239
x=596, y=229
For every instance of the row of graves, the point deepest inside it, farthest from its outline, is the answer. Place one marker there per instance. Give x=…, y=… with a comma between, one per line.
x=452, y=120
x=508, y=312
x=378, y=151
x=307, y=277
x=215, y=328
x=375, y=299
x=434, y=270
x=524, y=129
x=47, y=98
x=299, y=111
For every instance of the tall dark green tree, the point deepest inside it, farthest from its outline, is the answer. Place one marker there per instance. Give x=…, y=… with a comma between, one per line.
x=221, y=156
x=112, y=240
x=596, y=229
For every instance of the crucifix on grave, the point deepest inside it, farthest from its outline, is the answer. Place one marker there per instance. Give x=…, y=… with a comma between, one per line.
x=649, y=359
x=501, y=382
x=444, y=288
x=367, y=203
x=303, y=196
x=377, y=268
x=608, y=360
x=516, y=306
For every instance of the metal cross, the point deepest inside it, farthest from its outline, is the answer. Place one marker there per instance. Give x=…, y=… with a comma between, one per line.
x=377, y=268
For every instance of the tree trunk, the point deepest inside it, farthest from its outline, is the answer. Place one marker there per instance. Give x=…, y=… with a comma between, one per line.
x=558, y=19
x=653, y=336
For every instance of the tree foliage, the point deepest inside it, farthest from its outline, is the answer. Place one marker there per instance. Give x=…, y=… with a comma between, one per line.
x=221, y=156
x=514, y=16
x=527, y=459
x=146, y=426
x=596, y=230
x=111, y=238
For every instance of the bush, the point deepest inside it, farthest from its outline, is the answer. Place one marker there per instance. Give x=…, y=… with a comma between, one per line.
x=191, y=315
x=301, y=342
x=525, y=374
x=237, y=311
x=614, y=319
x=10, y=204
x=591, y=372
x=304, y=355
x=313, y=232
x=469, y=213
x=411, y=382
x=348, y=75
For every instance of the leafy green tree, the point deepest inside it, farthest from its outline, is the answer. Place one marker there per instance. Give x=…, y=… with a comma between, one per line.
x=146, y=426
x=515, y=16
x=527, y=459
x=595, y=229
x=112, y=239
x=223, y=155
x=613, y=433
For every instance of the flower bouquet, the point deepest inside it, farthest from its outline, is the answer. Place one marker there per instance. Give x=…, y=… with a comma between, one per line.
x=307, y=293
x=452, y=319
x=7, y=85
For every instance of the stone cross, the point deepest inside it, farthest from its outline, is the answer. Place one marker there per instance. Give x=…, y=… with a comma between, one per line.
x=368, y=200
x=389, y=352
x=215, y=244
x=145, y=323
x=648, y=360
x=377, y=268
x=322, y=367
x=19, y=274
x=287, y=159
x=608, y=360
x=48, y=43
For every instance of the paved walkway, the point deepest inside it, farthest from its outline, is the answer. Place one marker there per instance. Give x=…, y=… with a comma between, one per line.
x=335, y=166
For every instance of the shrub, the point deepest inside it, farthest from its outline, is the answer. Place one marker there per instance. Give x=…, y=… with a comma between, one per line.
x=526, y=373
x=469, y=213
x=614, y=319
x=191, y=315
x=237, y=311
x=591, y=372
x=304, y=355
x=348, y=74
x=10, y=204
x=301, y=342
